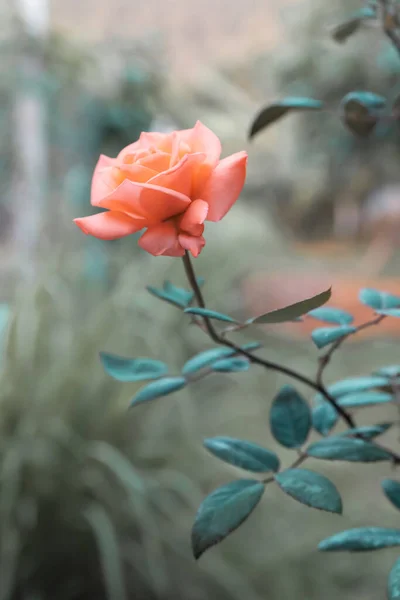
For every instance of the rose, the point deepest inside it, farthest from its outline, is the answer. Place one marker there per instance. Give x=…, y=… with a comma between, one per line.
x=168, y=184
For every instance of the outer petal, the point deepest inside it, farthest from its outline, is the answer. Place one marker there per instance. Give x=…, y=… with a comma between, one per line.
x=161, y=239
x=180, y=177
x=191, y=243
x=194, y=217
x=109, y=225
x=224, y=185
x=144, y=200
x=153, y=139
x=102, y=181
x=202, y=139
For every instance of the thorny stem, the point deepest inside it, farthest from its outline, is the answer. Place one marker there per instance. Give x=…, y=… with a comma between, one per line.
x=270, y=365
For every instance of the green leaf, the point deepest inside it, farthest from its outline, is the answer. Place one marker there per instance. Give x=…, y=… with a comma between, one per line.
x=243, y=454
x=378, y=300
x=343, y=31
x=161, y=387
x=223, y=511
x=389, y=312
x=293, y=311
x=211, y=314
x=391, y=489
x=273, y=112
x=311, y=489
x=206, y=358
x=231, y=365
x=290, y=418
x=364, y=399
x=393, y=590
x=367, y=431
x=323, y=336
x=360, y=539
x=331, y=315
x=360, y=111
x=324, y=417
x=132, y=369
x=347, y=449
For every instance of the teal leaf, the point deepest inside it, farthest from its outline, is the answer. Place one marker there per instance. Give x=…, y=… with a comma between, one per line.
x=391, y=489
x=329, y=314
x=161, y=387
x=223, y=511
x=389, y=371
x=210, y=314
x=364, y=399
x=389, y=312
x=132, y=369
x=347, y=449
x=179, y=300
x=231, y=365
x=181, y=295
x=243, y=454
x=273, y=112
x=378, y=300
x=343, y=31
x=323, y=336
x=361, y=539
x=355, y=384
x=311, y=489
x=207, y=357
x=293, y=311
x=368, y=432
x=360, y=111
x=324, y=417
x=290, y=418
x=393, y=589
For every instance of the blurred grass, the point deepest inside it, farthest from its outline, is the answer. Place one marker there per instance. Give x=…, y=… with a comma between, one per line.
x=97, y=501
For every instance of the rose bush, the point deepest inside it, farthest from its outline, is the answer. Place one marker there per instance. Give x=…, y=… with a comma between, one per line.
x=168, y=184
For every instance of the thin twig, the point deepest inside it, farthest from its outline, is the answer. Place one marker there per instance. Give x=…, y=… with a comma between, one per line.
x=389, y=22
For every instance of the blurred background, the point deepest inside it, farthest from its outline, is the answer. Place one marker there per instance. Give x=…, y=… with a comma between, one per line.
x=96, y=502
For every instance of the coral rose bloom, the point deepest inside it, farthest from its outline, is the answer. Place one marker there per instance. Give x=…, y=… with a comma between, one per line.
x=168, y=184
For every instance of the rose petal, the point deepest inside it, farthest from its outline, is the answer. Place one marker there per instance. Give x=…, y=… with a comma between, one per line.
x=224, y=185
x=194, y=217
x=109, y=225
x=181, y=176
x=135, y=172
x=154, y=139
x=158, y=161
x=161, y=239
x=144, y=200
x=102, y=181
x=202, y=139
x=192, y=243
x=130, y=149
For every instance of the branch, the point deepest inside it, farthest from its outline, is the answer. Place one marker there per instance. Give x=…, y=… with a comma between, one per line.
x=389, y=22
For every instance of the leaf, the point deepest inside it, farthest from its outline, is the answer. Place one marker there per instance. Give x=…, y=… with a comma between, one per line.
x=389, y=312
x=367, y=431
x=210, y=314
x=180, y=294
x=207, y=357
x=293, y=311
x=273, y=112
x=378, y=300
x=243, y=454
x=231, y=365
x=323, y=336
x=355, y=384
x=389, y=371
x=364, y=399
x=176, y=300
x=161, y=387
x=331, y=315
x=347, y=449
x=393, y=590
x=391, y=489
x=360, y=111
x=311, y=489
x=343, y=31
x=361, y=539
x=223, y=511
x=324, y=417
x=132, y=369
x=290, y=418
